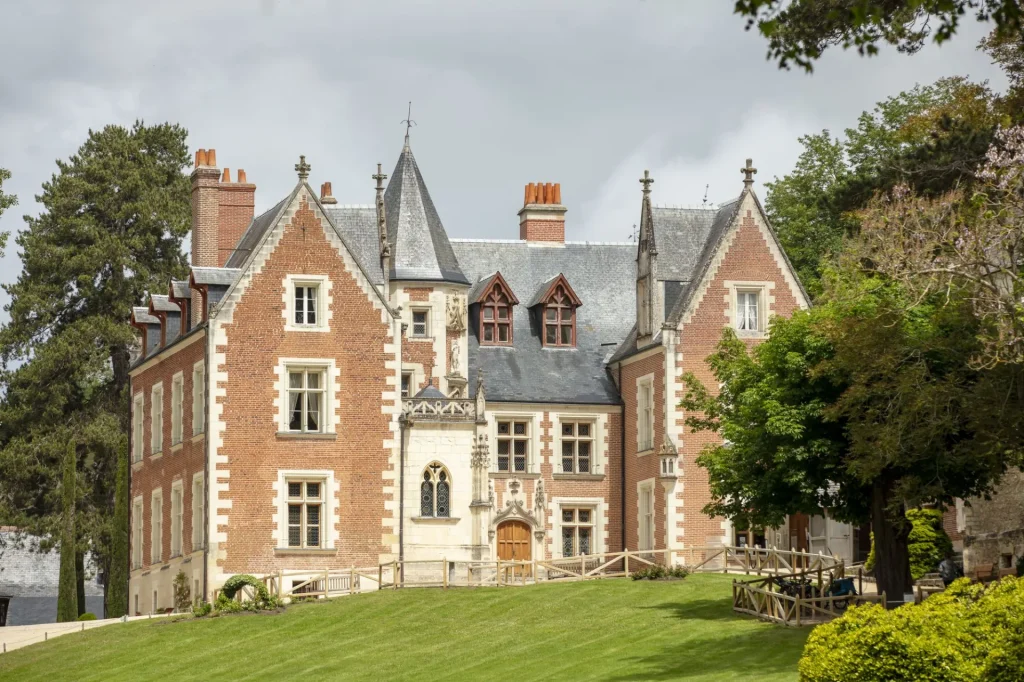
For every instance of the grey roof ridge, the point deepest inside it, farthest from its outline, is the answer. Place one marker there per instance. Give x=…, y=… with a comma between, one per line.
x=143, y=316
x=585, y=242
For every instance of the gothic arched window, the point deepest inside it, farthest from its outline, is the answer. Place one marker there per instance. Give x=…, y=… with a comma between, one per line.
x=435, y=492
x=559, y=319
x=496, y=317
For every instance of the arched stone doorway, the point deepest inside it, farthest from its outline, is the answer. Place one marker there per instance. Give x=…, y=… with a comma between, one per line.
x=514, y=541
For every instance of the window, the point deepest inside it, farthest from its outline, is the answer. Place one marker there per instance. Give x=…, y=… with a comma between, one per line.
x=645, y=416
x=746, y=311
x=306, y=397
x=577, y=447
x=137, y=536
x=197, y=512
x=420, y=323
x=305, y=513
x=513, y=444
x=156, y=525
x=559, y=319
x=198, y=398
x=177, y=514
x=157, y=419
x=647, y=517
x=577, y=531
x=406, y=384
x=138, y=415
x=306, y=296
x=177, y=391
x=496, y=317
x=435, y=492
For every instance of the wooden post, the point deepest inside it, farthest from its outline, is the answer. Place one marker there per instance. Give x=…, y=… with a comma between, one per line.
x=533, y=570
x=327, y=582
x=394, y=573
x=280, y=583
x=819, y=575
x=444, y=570
x=380, y=577
x=583, y=565
x=497, y=572
x=798, y=609
x=627, y=562
x=860, y=581
x=352, y=579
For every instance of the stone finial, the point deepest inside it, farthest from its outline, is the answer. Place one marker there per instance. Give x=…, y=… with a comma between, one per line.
x=647, y=181
x=303, y=168
x=748, y=173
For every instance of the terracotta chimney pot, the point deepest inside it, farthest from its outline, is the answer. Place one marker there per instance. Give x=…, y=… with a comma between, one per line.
x=211, y=157
x=200, y=157
x=227, y=175
x=558, y=193
x=241, y=176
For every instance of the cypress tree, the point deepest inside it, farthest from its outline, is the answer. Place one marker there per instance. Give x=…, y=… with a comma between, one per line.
x=67, y=591
x=117, y=585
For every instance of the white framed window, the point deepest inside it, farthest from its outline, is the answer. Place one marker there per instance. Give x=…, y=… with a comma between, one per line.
x=513, y=444
x=198, y=398
x=406, y=384
x=646, y=517
x=156, y=527
x=578, y=447
x=177, y=517
x=305, y=513
x=138, y=434
x=420, y=323
x=645, y=414
x=156, y=406
x=197, y=511
x=307, y=397
x=748, y=307
x=577, y=531
x=436, y=492
x=137, y=536
x=306, y=306
x=177, y=399
x=306, y=302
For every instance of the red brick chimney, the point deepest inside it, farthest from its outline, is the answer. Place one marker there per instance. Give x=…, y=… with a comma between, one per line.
x=205, y=208
x=237, y=207
x=542, y=217
x=325, y=194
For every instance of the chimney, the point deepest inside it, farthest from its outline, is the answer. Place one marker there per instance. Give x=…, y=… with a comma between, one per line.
x=542, y=217
x=237, y=207
x=325, y=194
x=205, y=208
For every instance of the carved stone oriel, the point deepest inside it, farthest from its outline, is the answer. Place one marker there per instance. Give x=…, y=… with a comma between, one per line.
x=456, y=309
x=480, y=457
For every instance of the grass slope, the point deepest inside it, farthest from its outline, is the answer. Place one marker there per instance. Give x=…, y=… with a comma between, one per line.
x=600, y=630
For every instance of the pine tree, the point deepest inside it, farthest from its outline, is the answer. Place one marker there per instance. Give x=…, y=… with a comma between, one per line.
x=67, y=590
x=117, y=585
x=6, y=201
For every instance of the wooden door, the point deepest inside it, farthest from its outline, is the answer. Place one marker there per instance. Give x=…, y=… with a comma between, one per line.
x=514, y=544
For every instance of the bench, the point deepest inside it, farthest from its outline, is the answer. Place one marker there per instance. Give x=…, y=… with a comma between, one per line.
x=984, y=573
x=1004, y=572
x=926, y=586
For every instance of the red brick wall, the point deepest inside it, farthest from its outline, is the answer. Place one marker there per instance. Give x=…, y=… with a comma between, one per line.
x=949, y=524
x=256, y=340
x=640, y=468
x=542, y=230
x=237, y=205
x=420, y=350
x=174, y=463
x=748, y=259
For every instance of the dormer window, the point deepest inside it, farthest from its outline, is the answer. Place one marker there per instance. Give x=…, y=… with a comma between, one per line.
x=491, y=300
x=556, y=305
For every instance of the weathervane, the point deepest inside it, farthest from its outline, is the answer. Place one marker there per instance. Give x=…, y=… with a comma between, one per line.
x=409, y=123
x=705, y=202
x=303, y=168
x=748, y=173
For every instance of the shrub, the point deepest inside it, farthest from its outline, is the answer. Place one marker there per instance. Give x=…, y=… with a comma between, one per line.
x=927, y=543
x=182, y=593
x=201, y=608
x=87, y=616
x=236, y=582
x=1020, y=566
x=967, y=633
x=658, y=572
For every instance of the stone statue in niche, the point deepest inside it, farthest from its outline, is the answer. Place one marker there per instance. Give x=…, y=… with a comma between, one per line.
x=456, y=312
x=538, y=496
x=454, y=359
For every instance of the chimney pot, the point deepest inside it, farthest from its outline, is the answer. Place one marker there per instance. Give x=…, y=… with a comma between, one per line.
x=549, y=193
x=227, y=175
x=325, y=194
x=211, y=157
x=526, y=194
x=200, y=157
x=558, y=193
x=241, y=176
x=542, y=218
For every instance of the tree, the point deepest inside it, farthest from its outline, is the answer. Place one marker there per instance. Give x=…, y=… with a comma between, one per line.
x=117, y=593
x=799, y=31
x=6, y=201
x=865, y=405
x=111, y=228
x=67, y=589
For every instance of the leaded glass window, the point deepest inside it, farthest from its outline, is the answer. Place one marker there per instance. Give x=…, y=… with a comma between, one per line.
x=513, y=445
x=577, y=531
x=559, y=319
x=306, y=398
x=305, y=513
x=577, y=447
x=435, y=492
x=496, y=317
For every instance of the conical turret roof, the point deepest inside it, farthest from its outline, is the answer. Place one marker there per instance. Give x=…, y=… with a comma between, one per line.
x=420, y=249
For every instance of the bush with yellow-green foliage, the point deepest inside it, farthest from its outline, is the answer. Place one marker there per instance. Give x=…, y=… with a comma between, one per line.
x=969, y=633
x=927, y=544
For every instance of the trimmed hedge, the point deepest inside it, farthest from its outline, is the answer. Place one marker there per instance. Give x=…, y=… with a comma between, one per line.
x=927, y=543
x=88, y=615
x=969, y=633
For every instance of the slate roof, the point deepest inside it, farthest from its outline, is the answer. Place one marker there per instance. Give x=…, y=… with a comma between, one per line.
x=431, y=391
x=253, y=234
x=680, y=234
x=358, y=225
x=180, y=289
x=420, y=249
x=141, y=316
x=602, y=275
x=223, y=277
x=162, y=304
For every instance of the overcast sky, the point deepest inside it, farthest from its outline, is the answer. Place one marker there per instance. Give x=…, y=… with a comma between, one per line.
x=586, y=93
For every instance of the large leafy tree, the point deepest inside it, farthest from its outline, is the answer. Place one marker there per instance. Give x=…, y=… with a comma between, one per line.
x=111, y=229
x=799, y=31
x=865, y=405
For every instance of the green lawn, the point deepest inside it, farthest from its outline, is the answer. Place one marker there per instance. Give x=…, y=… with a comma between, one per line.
x=599, y=630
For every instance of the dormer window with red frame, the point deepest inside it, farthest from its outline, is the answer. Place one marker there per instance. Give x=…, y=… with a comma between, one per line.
x=495, y=299
x=558, y=303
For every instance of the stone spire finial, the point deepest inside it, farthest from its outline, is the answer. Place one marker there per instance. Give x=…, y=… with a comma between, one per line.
x=647, y=181
x=303, y=168
x=748, y=173
x=382, y=222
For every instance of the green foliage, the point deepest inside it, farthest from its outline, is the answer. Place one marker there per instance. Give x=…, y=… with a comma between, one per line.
x=67, y=588
x=182, y=593
x=1020, y=566
x=967, y=633
x=799, y=31
x=88, y=615
x=928, y=543
x=201, y=608
x=262, y=601
x=117, y=590
x=869, y=563
x=6, y=201
x=659, y=572
x=236, y=582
